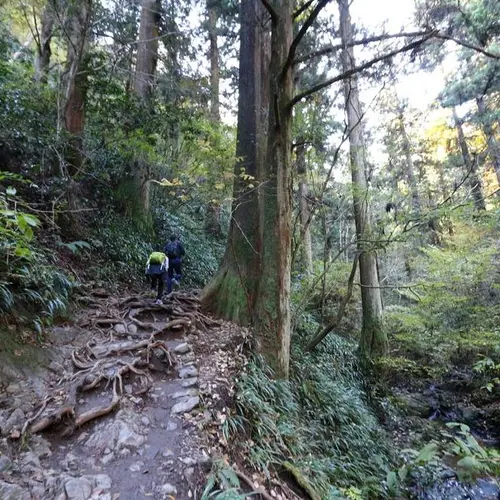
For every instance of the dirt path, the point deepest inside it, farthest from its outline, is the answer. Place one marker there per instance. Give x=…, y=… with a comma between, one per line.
x=129, y=406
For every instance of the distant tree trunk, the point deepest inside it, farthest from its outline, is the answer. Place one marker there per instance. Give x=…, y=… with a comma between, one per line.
x=147, y=58
x=373, y=338
x=43, y=52
x=212, y=221
x=470, y=165
x=231, y=293
x=77, y=29
x=147, y=49
x=410, y=168
x=304, y=210
x=491, y=140
x=214, y=60
x=272, y=307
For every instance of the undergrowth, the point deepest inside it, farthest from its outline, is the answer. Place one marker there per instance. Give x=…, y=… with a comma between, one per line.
x=318, y=426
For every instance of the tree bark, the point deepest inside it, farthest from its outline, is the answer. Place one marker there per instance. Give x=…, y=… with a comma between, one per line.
x=304, y=210
x=231, y=294
x=147, y=58
x=147, y=49
x=214, y=60
x=410, y=168
x=470, y=165
x=272, y=308
x=43, y=53
x=77, y=29
x=491, y=140
x=373, y=340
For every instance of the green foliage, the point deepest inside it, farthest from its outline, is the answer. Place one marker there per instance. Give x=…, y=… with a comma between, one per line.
x=32, y=290
x=474, y=460
x=223, y=484
x=319, y=421
x=203, y=252
x=120, y=249
x=488, y=368
x=452, y=316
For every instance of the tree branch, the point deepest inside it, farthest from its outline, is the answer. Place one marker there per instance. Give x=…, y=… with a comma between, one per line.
x=321, y=334
x=303, y=30
x=468, y=45
x=357, y=69
x=302, y=9
x=377, y=38
x=269, y=7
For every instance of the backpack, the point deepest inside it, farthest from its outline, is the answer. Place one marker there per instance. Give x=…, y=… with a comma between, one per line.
x=172, y=249
x=157, y=258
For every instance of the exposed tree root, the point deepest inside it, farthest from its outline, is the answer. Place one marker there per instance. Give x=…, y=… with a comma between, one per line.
x=101, y=365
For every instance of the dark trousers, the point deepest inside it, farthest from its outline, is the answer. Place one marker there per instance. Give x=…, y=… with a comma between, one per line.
x=174, y=271
x=159, y=280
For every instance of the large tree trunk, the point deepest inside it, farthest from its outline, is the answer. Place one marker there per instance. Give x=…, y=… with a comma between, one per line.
x=491, y=140
x=373, y=338
x=231, y=294
x=214, y=60
x=77, y=30
x=304, y=210
x=147, y=58
x=470, y=165
x=43, y=53
x=272, y=308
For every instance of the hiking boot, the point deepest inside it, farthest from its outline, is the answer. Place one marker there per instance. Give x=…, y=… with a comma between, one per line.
x=175, y=282
x=158, y=302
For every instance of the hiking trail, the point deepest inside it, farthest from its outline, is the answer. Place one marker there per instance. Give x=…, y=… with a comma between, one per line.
x=127, y=403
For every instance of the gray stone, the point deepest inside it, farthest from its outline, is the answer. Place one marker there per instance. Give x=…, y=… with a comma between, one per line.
x=184, y=393
x=136, y=466
x=13, y=492
x=127, y=438
x=171, y=426
x=189, y=473
x=5, y=463
x=188, y=372
x=186, y=405
x=101, y=496
x=132, y=328
x=70, y=461
x=120, y=329
x=189, y=382
x=13, y=389
x=40, y=447
x=106, y=459
x=100, y=481
x=30, y=461
x=118, y=434
x=187, y=461
x=16, y=420
x=167, y=489
x=145, y=420
x=56, y=367
x=418, y=405
x=78, y=488
x=182, y=348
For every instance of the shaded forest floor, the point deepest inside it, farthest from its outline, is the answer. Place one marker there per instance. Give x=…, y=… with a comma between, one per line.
x=125, y=401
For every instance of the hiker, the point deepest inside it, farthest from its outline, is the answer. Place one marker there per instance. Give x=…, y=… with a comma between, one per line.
x=174, y=251
x=157, y=269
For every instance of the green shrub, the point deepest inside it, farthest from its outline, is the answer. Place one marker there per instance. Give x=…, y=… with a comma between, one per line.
x=33, y=291
x=319, y=421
